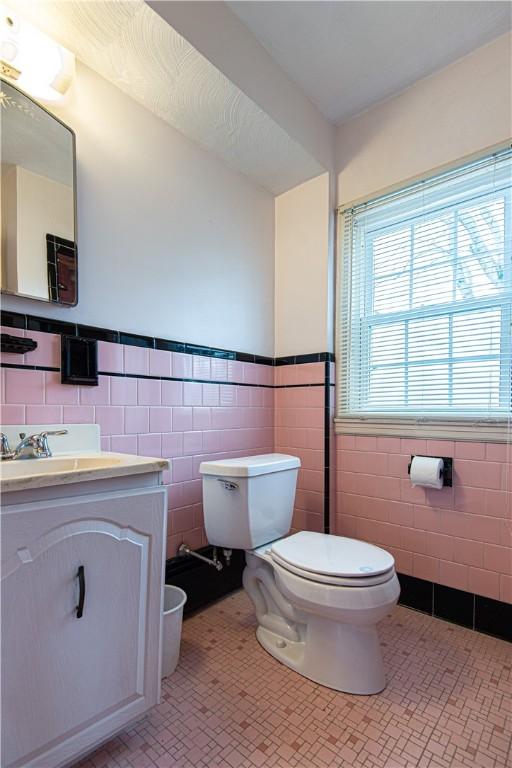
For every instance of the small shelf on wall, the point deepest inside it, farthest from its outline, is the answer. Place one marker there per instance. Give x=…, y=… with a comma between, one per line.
x=16, y=345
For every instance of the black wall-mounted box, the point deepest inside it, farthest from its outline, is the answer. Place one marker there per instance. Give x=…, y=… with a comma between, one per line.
x=79, y=361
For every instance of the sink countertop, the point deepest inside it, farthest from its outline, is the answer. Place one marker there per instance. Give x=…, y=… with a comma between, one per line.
x=76, y=467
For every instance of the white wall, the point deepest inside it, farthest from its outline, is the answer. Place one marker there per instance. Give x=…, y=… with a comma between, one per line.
x=458, y=111
x=42, y=206
x=303, y=269
x=8, y=227
x=170, y=241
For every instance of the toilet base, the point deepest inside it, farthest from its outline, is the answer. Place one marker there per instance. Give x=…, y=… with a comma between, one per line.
x=340, y=656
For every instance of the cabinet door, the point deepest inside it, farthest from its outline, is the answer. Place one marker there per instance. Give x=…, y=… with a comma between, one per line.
x=64, y=675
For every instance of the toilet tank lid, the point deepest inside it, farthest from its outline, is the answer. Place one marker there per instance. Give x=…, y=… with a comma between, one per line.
x=249, y=466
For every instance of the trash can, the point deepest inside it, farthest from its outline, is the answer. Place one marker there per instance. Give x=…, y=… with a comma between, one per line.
x=174, y=600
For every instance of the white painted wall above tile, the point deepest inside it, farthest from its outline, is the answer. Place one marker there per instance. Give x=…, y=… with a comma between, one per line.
x=303, y=269
x=171, y=242
x=459, y=111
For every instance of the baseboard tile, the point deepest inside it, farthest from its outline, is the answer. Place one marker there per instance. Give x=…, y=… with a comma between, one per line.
x=482, y=614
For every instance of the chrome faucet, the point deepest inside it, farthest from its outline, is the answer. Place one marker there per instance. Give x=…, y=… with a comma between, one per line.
x=5, y=450
x=30, y=447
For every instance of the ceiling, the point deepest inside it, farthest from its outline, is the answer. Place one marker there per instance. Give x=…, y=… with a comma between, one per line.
x=348, y=56
x=345, y=56
x=130, y=45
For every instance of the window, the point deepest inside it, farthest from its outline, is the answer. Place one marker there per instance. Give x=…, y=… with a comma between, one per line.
x=425, y=305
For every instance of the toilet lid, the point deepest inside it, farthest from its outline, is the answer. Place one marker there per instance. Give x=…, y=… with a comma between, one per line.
x=321, y=553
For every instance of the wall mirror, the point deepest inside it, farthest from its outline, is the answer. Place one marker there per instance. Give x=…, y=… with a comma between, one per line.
x=38, y=201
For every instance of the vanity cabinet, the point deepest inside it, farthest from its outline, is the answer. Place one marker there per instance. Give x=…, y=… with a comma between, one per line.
x=81, y=593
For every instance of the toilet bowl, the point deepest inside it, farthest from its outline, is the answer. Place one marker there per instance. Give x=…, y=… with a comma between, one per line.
x=317, y=597
x=330, y=619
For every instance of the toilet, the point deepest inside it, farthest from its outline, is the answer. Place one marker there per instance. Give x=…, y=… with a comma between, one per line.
x=318, y=598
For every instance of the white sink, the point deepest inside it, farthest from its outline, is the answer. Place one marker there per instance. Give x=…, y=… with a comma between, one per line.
x=11, y=469
x=77, y=457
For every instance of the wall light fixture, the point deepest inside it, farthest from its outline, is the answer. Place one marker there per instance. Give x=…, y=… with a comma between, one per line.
x=36, y=63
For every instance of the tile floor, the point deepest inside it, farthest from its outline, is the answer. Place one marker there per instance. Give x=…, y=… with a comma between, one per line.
x=230, y=705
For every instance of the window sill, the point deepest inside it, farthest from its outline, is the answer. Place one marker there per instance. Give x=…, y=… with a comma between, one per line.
x=487, y=431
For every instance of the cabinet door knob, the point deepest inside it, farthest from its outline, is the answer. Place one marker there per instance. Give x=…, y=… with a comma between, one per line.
x=81, y=595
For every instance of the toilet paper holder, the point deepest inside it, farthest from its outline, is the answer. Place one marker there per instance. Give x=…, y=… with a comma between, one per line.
x=447, y=470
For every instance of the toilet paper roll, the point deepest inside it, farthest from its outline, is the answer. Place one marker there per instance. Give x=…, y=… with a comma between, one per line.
x=427, y=471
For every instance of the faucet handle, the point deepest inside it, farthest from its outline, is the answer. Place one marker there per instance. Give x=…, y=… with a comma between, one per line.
x=54, y=432
x=5, y=449
x=44, y=448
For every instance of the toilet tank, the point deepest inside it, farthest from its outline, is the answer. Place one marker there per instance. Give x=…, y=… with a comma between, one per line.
x=248, y=502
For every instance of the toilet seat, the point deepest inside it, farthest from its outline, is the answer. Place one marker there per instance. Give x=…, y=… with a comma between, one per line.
x=333, y=560
x=337, y=581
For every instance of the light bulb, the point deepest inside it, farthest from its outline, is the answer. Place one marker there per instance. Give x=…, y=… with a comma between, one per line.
x=38, y=65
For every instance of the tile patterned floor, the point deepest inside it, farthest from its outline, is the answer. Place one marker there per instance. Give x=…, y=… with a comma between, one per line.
x=230, y=705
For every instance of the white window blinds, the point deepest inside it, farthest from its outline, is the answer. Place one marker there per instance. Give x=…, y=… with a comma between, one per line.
x=425, y=299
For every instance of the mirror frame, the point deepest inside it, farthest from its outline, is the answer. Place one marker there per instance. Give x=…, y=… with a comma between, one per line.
x=6, y=292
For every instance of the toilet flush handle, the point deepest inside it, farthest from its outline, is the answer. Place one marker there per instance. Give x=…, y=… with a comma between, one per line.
x=228, y=485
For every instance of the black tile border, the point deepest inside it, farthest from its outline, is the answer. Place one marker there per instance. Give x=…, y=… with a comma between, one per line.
x=327, y=448
x=202, y=583
x=134, y=340
x=454, y=605
x=116, y=374
x=416, y=593
x=44, y=325
x=298, y=386
x=47, y=325
x=313, y=357
x=13, y=320
x=169, y=346
x=493, y=617
x=20, y=367
x=203, y=586
x=99, y=334
x=482, y=614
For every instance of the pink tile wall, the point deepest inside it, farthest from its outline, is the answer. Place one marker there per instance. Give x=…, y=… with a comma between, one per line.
x=186, y=422
x=459, y=536
x=299, y=430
